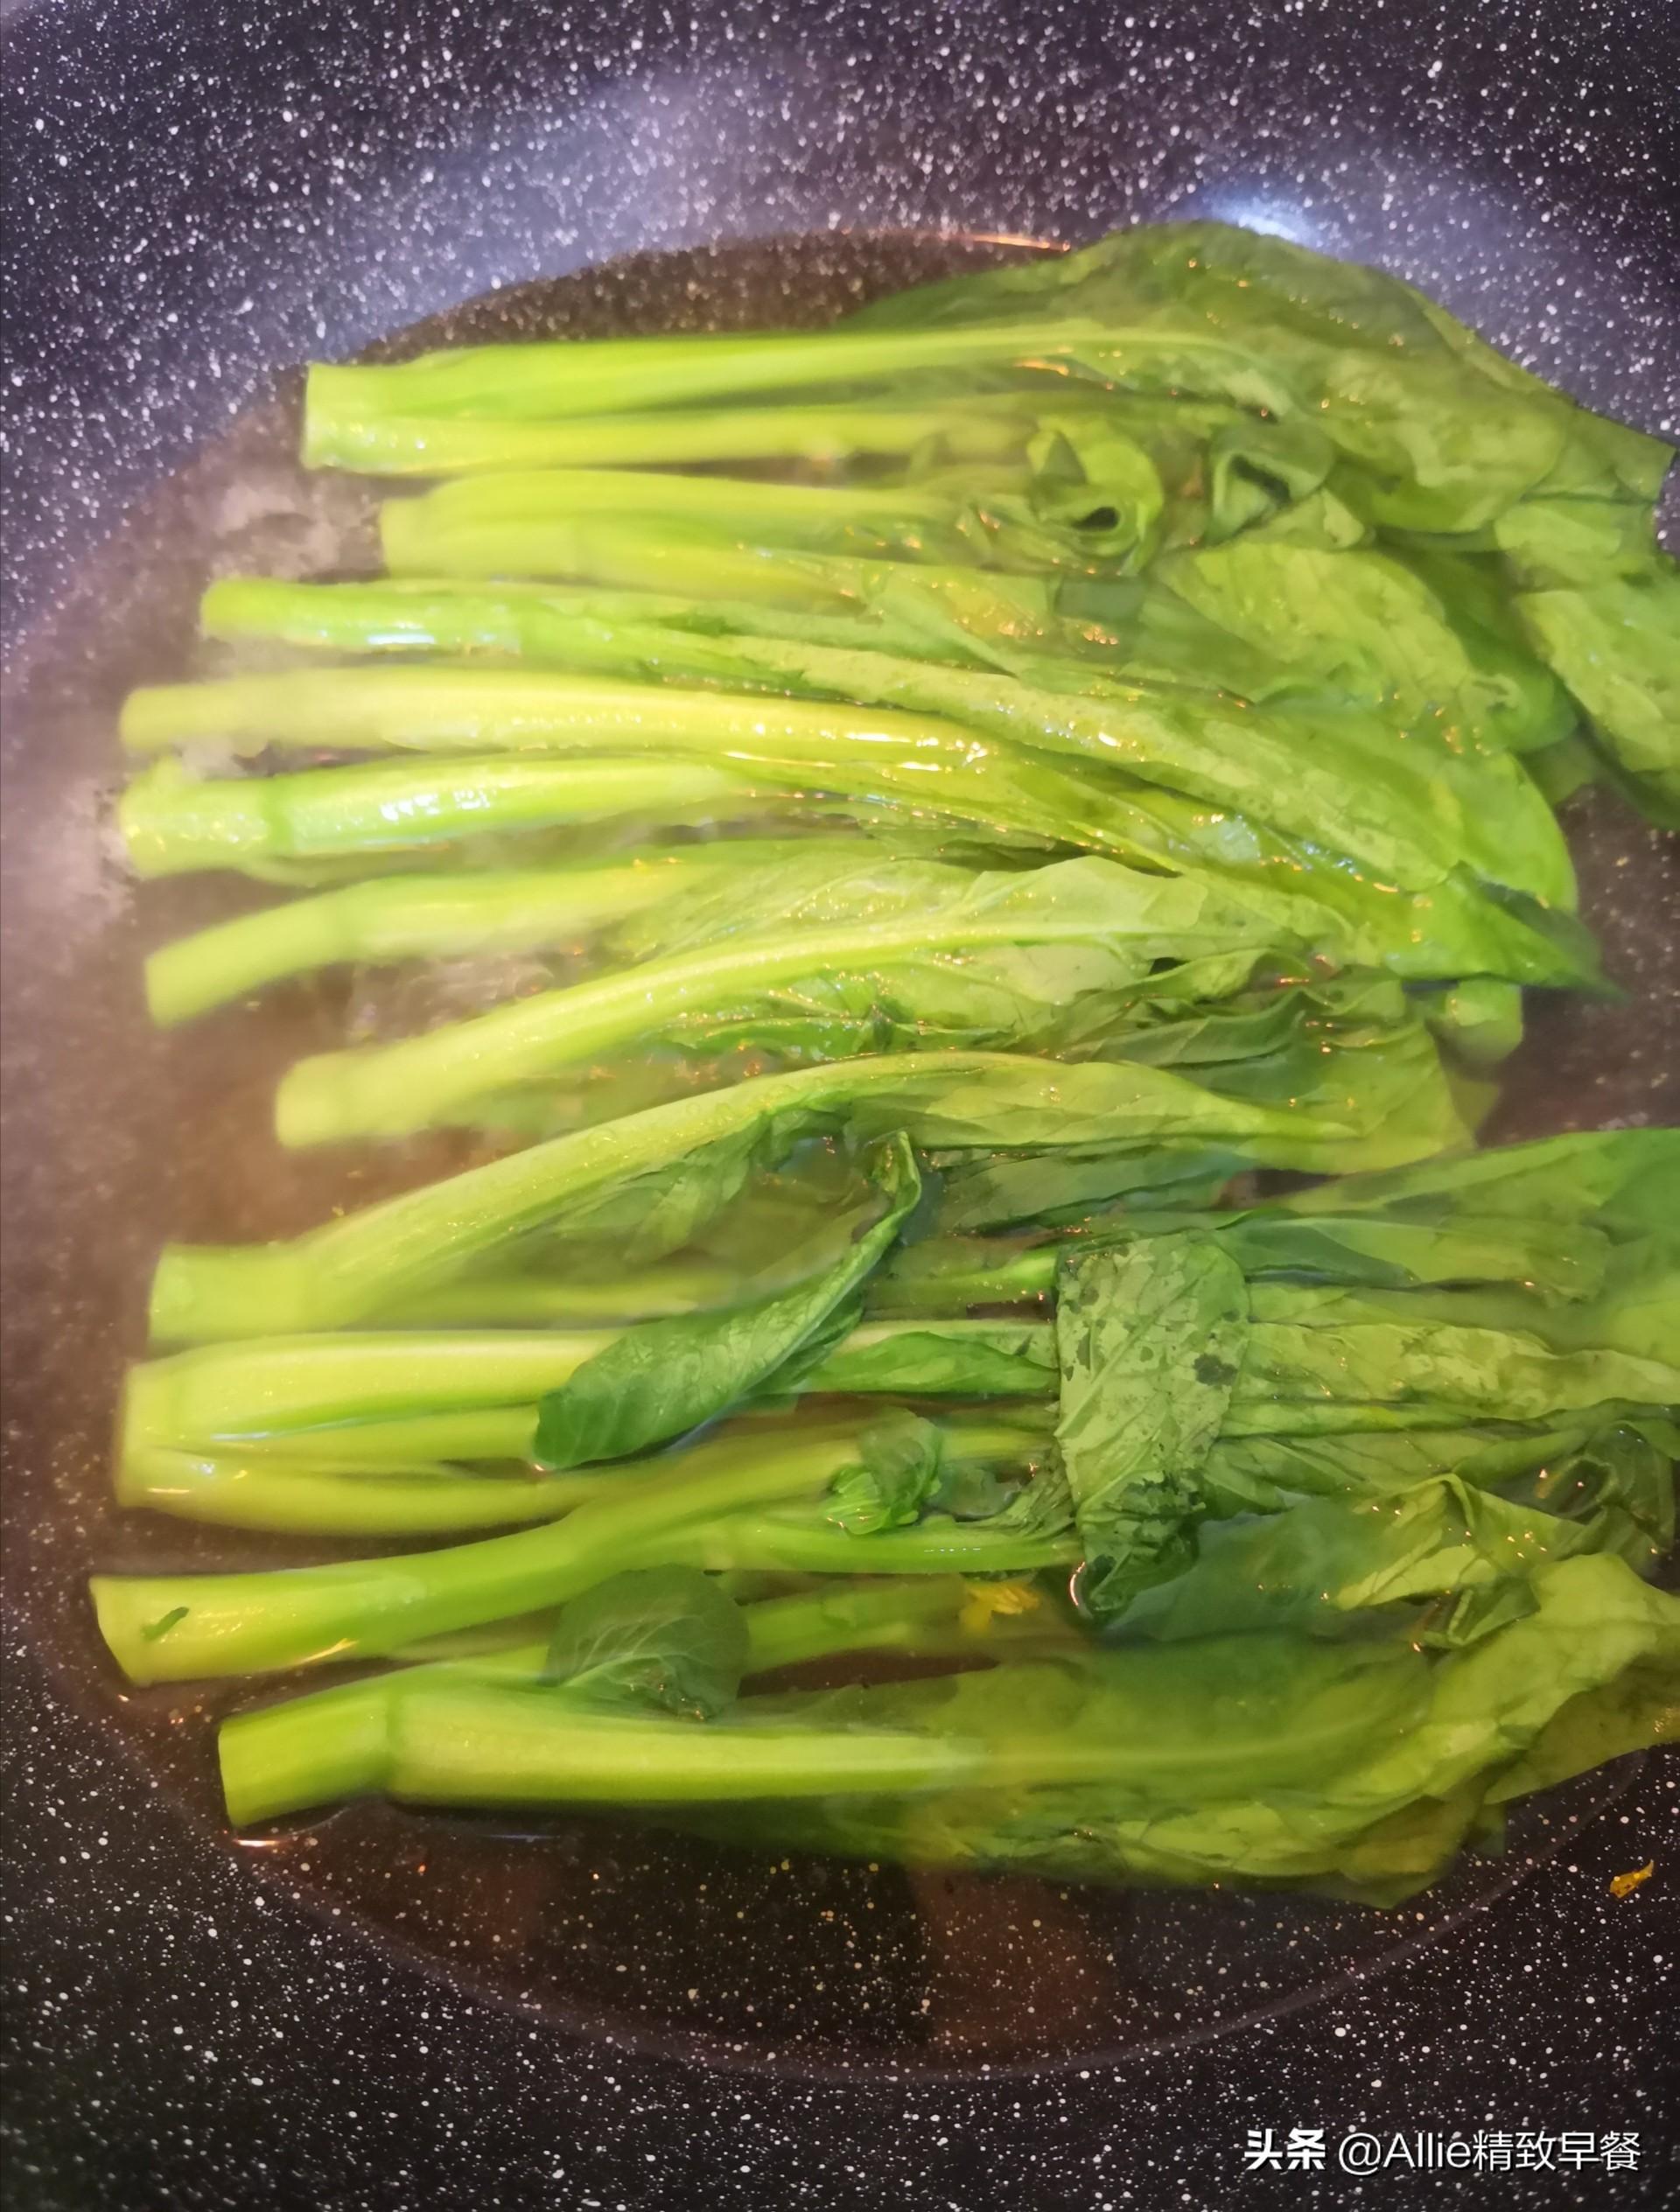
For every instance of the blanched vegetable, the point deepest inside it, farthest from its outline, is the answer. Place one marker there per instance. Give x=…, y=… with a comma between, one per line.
x=1078, y=760
x=1363, y=1765
x=655, y=1177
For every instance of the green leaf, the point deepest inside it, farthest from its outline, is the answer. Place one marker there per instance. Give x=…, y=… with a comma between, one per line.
x=669, y=1376
x=1576, y=540
x=900, y=1463
x=647, y=1182
x=1089, y=473
x=1365, y=628
x=1334, y=778
x=1342, y=1361
x=1154, y=777
x=1554, y=1260
x=1617, y=647
x=1058, y=1189
x=1151, y=1338
x=951, y=1359
x=1320, y=1565
x=1352, y=1050
x=1043, y=1506
x=1637, y=1711
x=1358, y=1767
x=1267, y=1473
x=1557, y=1260
x=1437, y=431
x=1620, y=1180
x=663, y=1636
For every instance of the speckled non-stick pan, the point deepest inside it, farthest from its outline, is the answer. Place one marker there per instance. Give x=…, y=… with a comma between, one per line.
x=391, y=2010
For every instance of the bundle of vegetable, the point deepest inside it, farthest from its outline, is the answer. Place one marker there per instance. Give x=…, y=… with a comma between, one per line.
x=649, y=1180
x=1128, y=777
x=1404, y=1311
x=1358, y=1767
x=1358, y=1450
x=1183, y=385
x=1004, y=759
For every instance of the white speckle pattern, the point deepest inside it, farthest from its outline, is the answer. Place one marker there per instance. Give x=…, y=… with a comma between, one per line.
x=200, y=198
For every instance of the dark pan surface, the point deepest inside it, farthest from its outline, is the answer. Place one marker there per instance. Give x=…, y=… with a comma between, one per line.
x=161, y=293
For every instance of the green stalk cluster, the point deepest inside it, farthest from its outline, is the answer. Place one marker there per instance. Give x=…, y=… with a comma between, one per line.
x=943, y=813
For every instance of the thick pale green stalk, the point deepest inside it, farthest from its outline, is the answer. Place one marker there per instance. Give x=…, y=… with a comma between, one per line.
x=681, y=563
x=427, y=1080
x=1408, y=808
x=824, y=598
x=1411, y=809
x=176, y=1627
x=496, y=525
x=303, y=1396
x=920, y=1612
x=373, y=1261
x=331, y=1743
x=874, y=755
x=750, y=745
x=985, y=1276
x=501, y=1434
x=955, y=1273
x=533, y=1300
x=309, y=1751
x=239, y=1489
x=372, y=1478
x=233, y=1489
x=451, y=708
x=236, y=1488
x=899, y=1613
x=453, y=1741
x=611, y=376
x=174, y=826
x=278, y=1385
x=395, y=918
x=933, y=1615
x=337, y=436
x=803, y=1543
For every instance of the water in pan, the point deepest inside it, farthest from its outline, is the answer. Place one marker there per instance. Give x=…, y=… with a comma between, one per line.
x=122, y=1138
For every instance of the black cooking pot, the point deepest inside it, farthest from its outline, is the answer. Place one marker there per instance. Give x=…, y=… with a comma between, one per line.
x=391, y=2010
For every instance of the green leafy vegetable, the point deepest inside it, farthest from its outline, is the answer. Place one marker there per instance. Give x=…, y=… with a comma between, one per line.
x=1436, y=431
x=667, y=1376
x=899, y=1465
x=1151, y=1341
x=1052, y=956
x=661, y=1636
x=488, y=912
x=945, y=1360
x=338, y=433
x=655, y=1177
x=1082, y=749
x=295, y=1616
x=1617, y=645
x=1412, y=814
x=174, y=825
x=1258, y=1757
